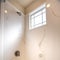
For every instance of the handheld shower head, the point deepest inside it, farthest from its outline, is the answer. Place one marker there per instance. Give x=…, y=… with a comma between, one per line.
x=19, y=13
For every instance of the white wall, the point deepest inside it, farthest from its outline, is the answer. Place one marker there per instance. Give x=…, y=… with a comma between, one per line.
x=0, y=34
x=49, y=47
x=17, y=5
x=13, y=29
x=42, y=43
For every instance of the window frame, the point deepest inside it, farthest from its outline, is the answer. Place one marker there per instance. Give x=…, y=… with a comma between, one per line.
x=38, y=10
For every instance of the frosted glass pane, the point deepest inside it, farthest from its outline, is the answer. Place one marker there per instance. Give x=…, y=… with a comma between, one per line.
x=32, y=16
x=44, y=16
x=44, y=23
x=38, y=25
x=44, y=10
x=38, y=13
x=38, y=19
x=32, y=22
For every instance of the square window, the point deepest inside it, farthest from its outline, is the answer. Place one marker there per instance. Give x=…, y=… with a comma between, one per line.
x=38, y=17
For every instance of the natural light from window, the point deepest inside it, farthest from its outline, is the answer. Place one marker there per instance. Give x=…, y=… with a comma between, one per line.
x=37, y=18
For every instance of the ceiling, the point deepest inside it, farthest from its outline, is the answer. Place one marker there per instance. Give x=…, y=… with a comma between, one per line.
x=24, y=3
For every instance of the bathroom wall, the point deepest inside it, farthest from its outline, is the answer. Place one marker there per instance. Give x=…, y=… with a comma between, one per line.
x=43, y=43
x=0, y=34
x=13, y=33
x=17, y=5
